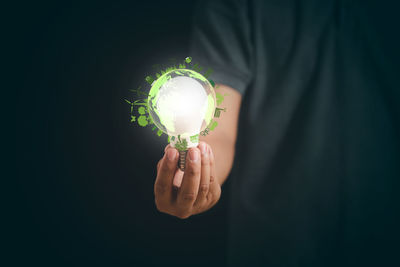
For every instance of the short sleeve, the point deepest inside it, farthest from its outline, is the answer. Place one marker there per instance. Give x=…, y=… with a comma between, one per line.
x=221, y=41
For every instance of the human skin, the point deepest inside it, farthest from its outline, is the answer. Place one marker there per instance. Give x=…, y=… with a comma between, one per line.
x=208, y=165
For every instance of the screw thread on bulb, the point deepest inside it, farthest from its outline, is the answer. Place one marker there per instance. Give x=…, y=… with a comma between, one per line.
x=182, y=160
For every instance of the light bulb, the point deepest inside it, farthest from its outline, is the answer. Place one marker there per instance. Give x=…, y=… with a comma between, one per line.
x=181, y=104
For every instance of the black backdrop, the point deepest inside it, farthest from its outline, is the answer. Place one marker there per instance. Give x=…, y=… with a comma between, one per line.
x=85, y=173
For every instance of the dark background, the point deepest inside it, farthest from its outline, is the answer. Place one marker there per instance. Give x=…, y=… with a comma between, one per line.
x=85, y=174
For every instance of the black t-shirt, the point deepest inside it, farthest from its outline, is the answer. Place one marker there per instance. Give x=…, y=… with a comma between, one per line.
x=317, y=168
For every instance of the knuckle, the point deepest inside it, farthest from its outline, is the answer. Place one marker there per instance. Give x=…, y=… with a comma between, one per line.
x=204, y=188
x=189, y=197
x=193, y=171
x=212, y=178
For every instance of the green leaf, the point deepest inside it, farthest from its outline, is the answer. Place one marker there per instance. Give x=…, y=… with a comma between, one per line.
x=142, y=110
x=194, y=138
x=181, y=145
x=220, y=98
x=142, y=121
x=213, y=124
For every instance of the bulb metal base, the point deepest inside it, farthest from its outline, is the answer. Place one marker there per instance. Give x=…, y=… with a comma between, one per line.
x=182, y=160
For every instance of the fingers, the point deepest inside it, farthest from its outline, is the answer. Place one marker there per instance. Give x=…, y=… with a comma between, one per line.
x=204, y=176
x=215, y=187
x=190, y=184
x=183, y=194
x=166, y=147
x=165, y=175
x=159, y=162
x=212, y=167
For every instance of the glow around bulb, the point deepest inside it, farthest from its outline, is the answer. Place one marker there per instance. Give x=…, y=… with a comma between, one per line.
x=181, y=103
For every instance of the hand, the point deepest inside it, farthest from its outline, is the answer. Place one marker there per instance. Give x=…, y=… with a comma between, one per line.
x=183, y=194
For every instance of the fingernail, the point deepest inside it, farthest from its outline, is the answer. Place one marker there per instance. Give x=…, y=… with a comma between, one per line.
x=203, y=149
x=193, y=155
x=171, y=154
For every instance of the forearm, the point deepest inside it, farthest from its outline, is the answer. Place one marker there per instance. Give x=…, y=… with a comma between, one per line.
x=223, y=138
x=224, y=153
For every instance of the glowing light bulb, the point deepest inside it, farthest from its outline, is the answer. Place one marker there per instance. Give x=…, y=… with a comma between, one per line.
x=181, y=103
